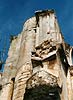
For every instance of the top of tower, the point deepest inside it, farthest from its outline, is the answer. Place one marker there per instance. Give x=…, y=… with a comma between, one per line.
x=42, y=12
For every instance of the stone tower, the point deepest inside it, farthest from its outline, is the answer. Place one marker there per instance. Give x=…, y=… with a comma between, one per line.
x=39, y=64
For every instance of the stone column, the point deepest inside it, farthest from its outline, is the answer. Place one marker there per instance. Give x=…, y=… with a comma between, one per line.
x=7, y=91
x=22, y=76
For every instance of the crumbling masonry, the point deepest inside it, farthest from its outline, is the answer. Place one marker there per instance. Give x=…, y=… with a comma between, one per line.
x=39, y=64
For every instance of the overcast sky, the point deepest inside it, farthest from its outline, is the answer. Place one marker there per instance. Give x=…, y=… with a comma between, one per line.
x=13, y=13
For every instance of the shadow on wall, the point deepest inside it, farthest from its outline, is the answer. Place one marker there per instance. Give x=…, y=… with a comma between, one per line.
x=42, y=92
x=72, y=56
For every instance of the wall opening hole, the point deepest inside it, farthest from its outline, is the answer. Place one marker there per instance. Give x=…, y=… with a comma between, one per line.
x=13, y=79
x=42, y=92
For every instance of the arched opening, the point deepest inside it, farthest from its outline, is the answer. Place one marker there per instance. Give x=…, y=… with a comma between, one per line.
x=42, y=86
x=42, y=92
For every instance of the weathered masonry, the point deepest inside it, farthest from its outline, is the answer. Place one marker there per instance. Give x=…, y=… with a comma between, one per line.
x=40, y=63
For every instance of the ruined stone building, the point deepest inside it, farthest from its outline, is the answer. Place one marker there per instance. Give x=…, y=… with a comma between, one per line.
x=39, y=64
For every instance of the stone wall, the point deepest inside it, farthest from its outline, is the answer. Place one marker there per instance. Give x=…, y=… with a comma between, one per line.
x=38, y=57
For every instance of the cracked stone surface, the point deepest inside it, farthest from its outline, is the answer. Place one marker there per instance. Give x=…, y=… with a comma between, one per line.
x=39, y=62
